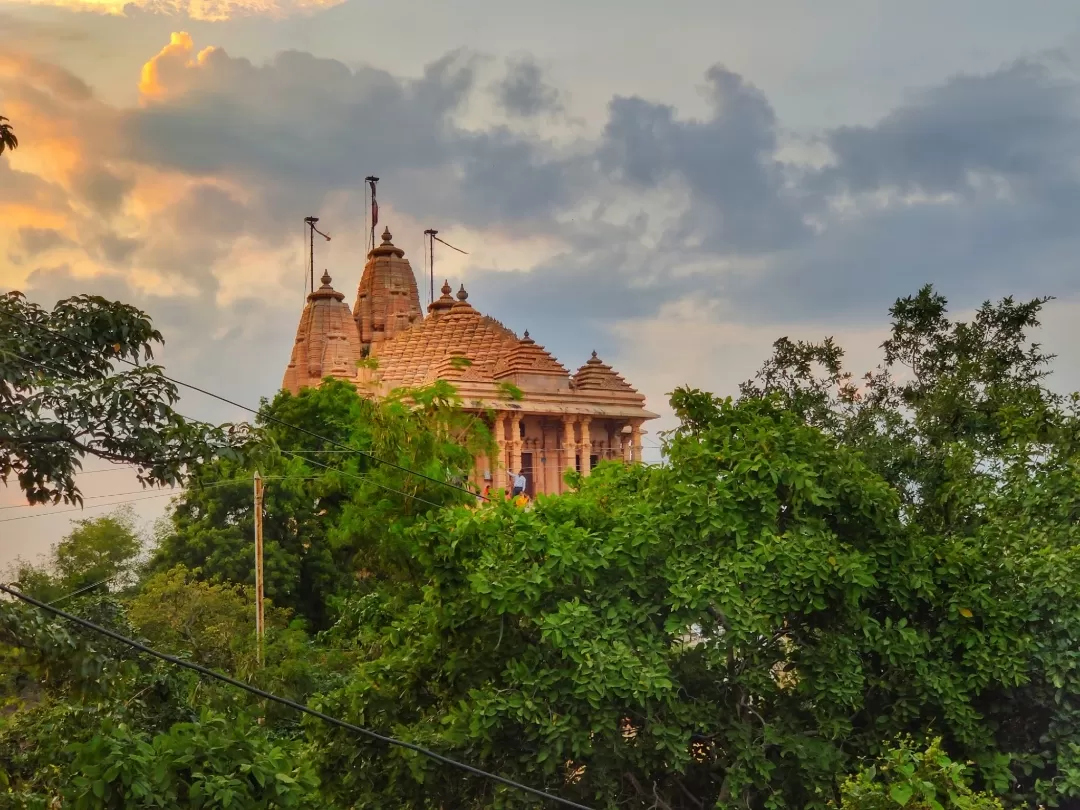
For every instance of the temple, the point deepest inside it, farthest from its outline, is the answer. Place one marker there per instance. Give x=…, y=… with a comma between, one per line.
x=562, y=420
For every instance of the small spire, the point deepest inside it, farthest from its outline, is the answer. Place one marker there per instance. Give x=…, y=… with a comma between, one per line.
x=325, y=278
x=386, y=236
x=461, y=294
x=526, y=338
x=594, y=353
x=446, y=288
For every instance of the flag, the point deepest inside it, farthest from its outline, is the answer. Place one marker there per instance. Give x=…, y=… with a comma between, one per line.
x=374, y=204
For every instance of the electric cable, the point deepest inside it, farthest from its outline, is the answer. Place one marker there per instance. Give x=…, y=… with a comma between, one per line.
x=292, y=704
x=235, y=404
x=368, y=480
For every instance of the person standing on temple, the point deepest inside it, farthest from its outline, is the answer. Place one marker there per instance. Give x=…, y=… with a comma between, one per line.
x=519, y=484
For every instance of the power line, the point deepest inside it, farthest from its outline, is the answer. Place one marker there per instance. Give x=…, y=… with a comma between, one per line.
x=196, y=485
x=235, y=404
x=60, y=599
x=368, y=480
x=300, y=707
x=84, y=508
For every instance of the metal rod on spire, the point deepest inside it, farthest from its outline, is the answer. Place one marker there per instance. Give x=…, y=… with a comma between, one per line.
x=311, y=249
x=430, y=232
x=371, y=180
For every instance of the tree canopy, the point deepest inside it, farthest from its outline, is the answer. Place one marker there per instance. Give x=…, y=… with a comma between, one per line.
x=833, y=593
x=75, y=381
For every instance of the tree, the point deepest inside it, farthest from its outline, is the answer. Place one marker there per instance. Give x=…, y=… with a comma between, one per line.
x=97, y=550
x=72, y=385
x=107, y=730
x=733, y=629
x=333, y=519
x=915, y=778
x=942, y=384
x=7, y=136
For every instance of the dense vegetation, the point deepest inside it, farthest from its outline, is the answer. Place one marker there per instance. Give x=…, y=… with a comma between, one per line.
x=833, y=593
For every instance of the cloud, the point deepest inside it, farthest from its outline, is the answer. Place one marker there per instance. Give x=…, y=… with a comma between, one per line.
x=198, y=189
x=523, y=91
x=34, y=241
x=1017, y=124
x=203, y=10
x=726, y=163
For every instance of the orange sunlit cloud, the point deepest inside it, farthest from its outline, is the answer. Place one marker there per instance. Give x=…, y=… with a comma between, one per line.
x=168, y=65
x=204, y=10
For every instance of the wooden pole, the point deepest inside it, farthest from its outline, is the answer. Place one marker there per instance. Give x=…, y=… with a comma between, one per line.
x=259, y=566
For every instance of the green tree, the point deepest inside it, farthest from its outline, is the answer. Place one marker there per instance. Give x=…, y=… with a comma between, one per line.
x=333, y=519
x=941, y=384
x=915, y=778
x=86, y=724
x=66, y=393
x=732, y=629
x=97, y=550
x=7, y=136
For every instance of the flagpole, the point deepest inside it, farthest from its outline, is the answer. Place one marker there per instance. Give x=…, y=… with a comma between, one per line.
x=430, y=234
x=371, y=181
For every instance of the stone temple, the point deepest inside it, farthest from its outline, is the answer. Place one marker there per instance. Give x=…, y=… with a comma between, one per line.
x=563, y=420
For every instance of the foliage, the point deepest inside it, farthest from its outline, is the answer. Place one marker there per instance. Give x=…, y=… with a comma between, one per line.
x=726, y=630
x=7, y=135
x=214, y=762
x=96, y=551
x=333, y=519
x=915, y=778
x=64, y=396
x=941, y=383
x=825, y=574
x=90, y=725
x=212, y=624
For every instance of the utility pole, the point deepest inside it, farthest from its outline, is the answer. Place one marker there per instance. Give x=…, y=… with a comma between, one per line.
x=259, y=566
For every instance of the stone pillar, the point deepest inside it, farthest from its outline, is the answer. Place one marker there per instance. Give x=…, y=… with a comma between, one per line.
x=515, y=445
x=586, y=446
x=624, y=446
x=498, y=465
x=635, y=442
x=570, y=445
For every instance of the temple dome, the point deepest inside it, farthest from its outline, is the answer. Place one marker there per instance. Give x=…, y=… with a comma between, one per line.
x=596, y=375
x=327, y=344
x=387, y=300
x=457, y=342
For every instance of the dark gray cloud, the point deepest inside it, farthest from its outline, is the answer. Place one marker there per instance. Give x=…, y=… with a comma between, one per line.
x=1018, y=123
x=769, y=240
x=523, y=90
x=33, y=241
x=300, y=128
x=727, y=163
x=103, y=190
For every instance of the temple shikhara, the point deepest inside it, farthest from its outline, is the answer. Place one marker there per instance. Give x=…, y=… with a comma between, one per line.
x=563, y=420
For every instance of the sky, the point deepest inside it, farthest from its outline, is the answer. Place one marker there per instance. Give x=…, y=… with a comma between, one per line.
x=673, y=185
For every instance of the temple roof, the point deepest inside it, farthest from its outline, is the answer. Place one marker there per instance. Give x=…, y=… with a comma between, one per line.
x=387, y=301
x=326, y=344
x=598, y=375
x=457, y=342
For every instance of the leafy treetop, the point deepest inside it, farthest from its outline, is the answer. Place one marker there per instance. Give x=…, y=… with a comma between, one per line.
x=66, y=393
